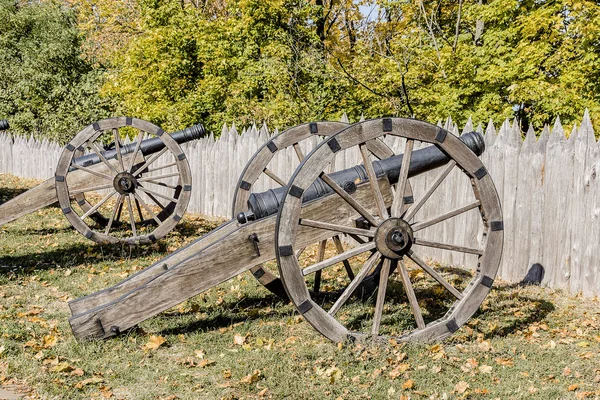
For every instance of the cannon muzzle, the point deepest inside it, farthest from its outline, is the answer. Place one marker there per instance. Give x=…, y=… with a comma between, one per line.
x=267, y=203
x=4, y=125
x=148, y=146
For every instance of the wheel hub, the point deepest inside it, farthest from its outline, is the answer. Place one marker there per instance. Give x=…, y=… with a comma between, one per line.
x=125, y=183
x=394, y=238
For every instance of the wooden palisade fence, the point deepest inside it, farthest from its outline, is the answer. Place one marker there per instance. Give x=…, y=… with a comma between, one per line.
x=549, y=186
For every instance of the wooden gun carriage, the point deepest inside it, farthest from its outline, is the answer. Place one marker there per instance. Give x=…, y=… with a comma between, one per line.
x=373, y=204
x=126, y=172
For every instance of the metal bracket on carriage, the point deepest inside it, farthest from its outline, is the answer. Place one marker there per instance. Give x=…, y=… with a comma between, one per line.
x=312, y=208
x=125, y=171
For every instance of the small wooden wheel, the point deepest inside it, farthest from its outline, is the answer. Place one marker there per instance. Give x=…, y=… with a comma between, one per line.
x=258, y=166
x=128, y=180
x=398, y=233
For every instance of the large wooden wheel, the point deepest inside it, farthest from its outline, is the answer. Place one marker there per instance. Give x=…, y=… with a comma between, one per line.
x=293, y=140
x=140, y=202
x=396, y=240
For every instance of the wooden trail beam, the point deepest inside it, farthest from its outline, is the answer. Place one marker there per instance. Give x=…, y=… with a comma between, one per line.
x=204, y=264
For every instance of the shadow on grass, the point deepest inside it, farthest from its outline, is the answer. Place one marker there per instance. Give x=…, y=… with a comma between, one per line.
x=70, y=255
x=7, y=194
x=246, y=309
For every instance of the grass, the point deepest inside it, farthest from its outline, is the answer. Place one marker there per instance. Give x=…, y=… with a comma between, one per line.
x=238, y=341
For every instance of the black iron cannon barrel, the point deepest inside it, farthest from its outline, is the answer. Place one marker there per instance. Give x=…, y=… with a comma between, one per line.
x=148, y=146
x=4, y=125
x=267, y=203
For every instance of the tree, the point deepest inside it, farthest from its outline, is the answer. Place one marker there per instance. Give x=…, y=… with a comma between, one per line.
x=46, y=87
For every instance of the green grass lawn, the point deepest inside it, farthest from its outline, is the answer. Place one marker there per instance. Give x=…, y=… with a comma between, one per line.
x=239, y=341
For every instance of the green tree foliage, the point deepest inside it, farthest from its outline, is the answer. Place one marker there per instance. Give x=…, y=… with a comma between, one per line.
x=179, y=62
x=531, y=59
x=46, y=87
x=247, y=60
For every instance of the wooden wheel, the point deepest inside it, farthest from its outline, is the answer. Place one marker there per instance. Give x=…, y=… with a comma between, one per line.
x=295, y=140
x=399, y=241
x=140, y=202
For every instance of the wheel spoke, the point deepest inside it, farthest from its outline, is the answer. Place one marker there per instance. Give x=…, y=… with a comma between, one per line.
x=383, y=280
x=139, y=210
x=97, y=206
x=435, y=275
x=118, y=218
x=272, y=175
x=114, y=213
x=137, y=148
x=336, y=259
x=340, y=250
x=381, y=208
x=410, y=293
x=444, y=246
x=173, y=164
x=90, y=189
x=422, y=225
x=299, y=153
x=99, y=154
x=348, y=199
x=154, y=178
x=355, y=283
x=147, y=208
x=162, y=184
x=436, y=183
x=131, y=217
x=162, y=196
x=398, y=202
x=155, y=200
x=118, y=148
x=91, y=171
x=336, y=227
x=150, y=161
x=320, y=258
x=379, y=149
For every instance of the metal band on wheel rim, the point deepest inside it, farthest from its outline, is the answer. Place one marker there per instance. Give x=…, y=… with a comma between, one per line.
x=472, y=296
x=168, y=217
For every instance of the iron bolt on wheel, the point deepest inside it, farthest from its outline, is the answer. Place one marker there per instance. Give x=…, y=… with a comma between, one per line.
x=408, y=311
x=130, y=196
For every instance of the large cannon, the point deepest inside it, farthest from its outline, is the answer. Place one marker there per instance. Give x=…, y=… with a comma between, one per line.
x=96, y=161
x=372, y=203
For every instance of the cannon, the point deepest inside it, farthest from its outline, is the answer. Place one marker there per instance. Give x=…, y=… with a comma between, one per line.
x=96, y=160
x=366, y=225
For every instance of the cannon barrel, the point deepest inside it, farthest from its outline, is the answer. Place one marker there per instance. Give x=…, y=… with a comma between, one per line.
x=267, y=203
x=148, y=146
x=4, y=125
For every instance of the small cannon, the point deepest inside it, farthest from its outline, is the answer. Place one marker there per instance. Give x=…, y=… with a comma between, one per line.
x=372, y=203
x=124, y=170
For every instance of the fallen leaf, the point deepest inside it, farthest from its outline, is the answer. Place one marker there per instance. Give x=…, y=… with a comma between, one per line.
x=88, y=381
x=461, y=387
x=49, y=341
x=507, y=362
x=263, y=392
x=251, y=378
x=199, y=353
x=62, y=367
x=77, y=372
x=239, y=339
x=485, y=369
x=408, y=384
x=154, y=343
x=227, y=374
x=573, y=387
x=206, y=363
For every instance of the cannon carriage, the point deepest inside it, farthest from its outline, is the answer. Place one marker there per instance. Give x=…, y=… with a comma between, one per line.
x=373, y=204
x=130, y=210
